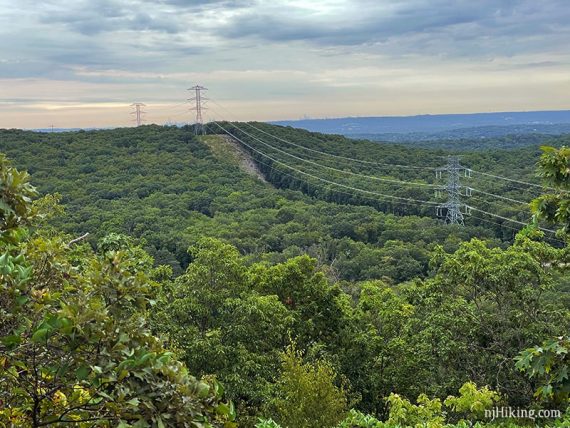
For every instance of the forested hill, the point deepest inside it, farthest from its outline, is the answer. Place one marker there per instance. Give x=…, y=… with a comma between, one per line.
x=381, y=323
x=167, y=187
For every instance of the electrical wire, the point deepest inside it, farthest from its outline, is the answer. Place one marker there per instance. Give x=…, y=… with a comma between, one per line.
x=507, y=219
x=371, y=177
x=323, y=179
x=512, y=180
x=494, y=222
x=384, y=164
x=326, y=153
x=498, y=196
x=320, y=186
x=406, y=201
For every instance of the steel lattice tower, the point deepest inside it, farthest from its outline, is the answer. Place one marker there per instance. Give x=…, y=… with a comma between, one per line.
x=199, y=106
x=453, y=188
x=138, y=113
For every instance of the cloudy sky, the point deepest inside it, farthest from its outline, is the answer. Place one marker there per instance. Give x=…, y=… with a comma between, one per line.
x=80, y=63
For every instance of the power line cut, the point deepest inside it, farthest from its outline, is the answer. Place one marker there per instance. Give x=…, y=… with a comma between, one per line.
x=320, y=178
x=370, y=177
x=326, y=153
x=452, y=207
x=468, y=170
x=138, y=113
x=199, y=100
x=320, y=186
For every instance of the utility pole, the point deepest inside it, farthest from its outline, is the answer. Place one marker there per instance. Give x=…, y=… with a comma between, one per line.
x=453, y=206
x=138, y=113
x=199, y=100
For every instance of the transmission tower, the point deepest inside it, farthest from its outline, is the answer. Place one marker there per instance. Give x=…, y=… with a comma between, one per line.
x=138, y=112
x=199, y=100
x=453, y=206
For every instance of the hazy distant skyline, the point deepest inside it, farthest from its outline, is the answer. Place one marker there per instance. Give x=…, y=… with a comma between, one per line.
x=81, y=63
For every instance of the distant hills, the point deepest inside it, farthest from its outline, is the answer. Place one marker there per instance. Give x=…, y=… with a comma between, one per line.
x=442, y=126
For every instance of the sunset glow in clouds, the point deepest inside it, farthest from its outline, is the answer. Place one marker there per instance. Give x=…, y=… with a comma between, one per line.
x=81, y=63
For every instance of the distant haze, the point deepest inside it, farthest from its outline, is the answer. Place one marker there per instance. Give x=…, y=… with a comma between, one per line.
x=82, y=63
x=430, y=123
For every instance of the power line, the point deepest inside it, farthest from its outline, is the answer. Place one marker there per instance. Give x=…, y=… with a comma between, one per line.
x=472, y=189
x=325, y=153
x=320, y=186
x=371, y=177
x=385, y=164
x=512, y=180
x=518, y=209
x=514, y=221
x=508, y=219
x=400, y=199
x=494, y=222
x=320, y=178
x=271, y=166
x=453, y=183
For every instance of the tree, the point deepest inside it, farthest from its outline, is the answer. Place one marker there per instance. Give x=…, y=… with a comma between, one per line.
x=550, y=364
x=224, y=327
x=306, y=393
x=75, y=346
x=483, y=305
x=373, y=350
x=554, y=168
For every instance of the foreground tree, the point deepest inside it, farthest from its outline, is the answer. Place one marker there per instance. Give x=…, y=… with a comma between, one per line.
x=75, y=347
x=483, y=305
x=549, y=363
x=554, y=207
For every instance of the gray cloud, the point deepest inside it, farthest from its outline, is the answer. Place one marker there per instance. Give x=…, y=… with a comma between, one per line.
x=362, y=22
x=91, y=18
x=204, y=4
x=259, y=49
x=464, y=24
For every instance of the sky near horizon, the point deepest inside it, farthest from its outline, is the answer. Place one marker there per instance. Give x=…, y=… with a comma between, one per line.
x=81, y=63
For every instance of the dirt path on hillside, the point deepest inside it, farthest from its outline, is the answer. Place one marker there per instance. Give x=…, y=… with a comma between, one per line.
x=241, y=157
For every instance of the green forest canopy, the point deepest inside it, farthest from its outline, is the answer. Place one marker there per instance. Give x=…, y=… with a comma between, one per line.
x=412, y=333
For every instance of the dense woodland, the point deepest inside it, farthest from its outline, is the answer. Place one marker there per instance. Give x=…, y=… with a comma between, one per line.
x=219, y=288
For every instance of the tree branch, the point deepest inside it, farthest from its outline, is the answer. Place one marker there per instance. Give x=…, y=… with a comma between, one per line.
x=74, y=241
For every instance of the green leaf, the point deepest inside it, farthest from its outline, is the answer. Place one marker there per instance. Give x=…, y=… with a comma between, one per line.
x=22, y=300
x=82, y=372
x=40, y=335
x=134, y=402
x=11, y=340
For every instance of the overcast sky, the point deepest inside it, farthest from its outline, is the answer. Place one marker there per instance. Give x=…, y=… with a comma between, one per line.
x=80, y=63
